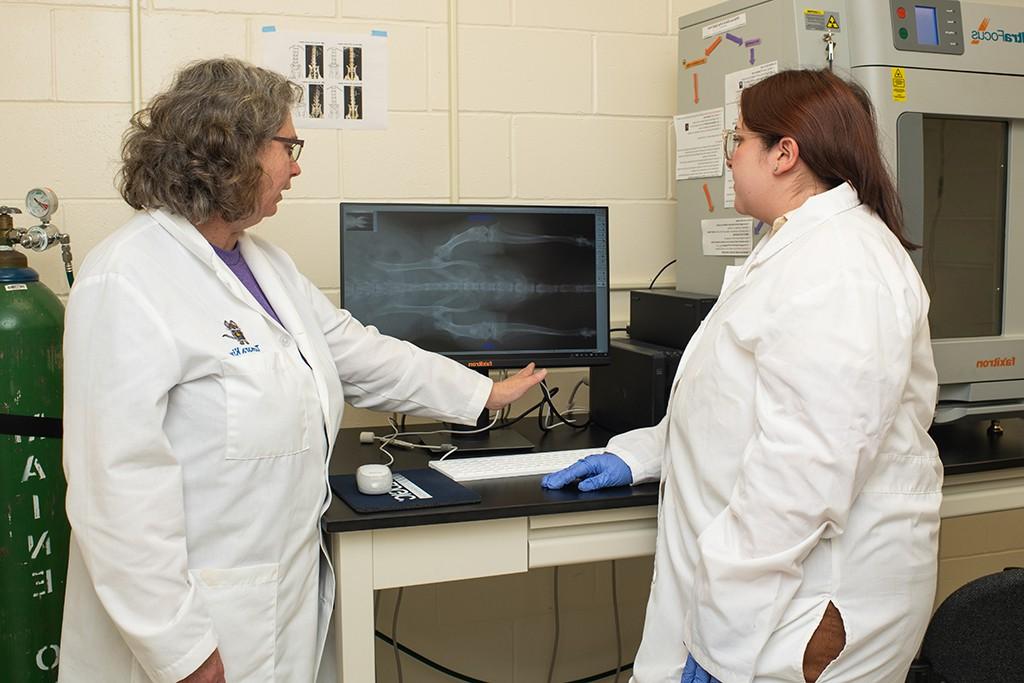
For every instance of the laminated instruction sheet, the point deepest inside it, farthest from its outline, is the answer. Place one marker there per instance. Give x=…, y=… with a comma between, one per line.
x=699, y=152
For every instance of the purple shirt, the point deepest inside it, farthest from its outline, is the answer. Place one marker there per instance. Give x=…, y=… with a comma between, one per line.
x=233, y=260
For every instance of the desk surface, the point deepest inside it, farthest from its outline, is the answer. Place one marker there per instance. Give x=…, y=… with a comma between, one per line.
x=964, y=446
x=500, y=498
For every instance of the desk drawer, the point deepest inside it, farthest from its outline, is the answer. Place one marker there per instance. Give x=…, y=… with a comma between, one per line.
x=575, y=538
x=412, y=556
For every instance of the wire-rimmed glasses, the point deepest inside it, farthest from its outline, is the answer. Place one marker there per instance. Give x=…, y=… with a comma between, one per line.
x=731, y=139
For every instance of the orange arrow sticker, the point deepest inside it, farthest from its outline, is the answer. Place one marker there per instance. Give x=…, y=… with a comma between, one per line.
x=696, y=62
x=707, y=196
x=696, y=89
x=711, y=48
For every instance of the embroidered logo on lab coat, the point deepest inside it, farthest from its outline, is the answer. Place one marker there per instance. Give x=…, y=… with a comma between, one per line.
x=235, y=333
x=243, y=344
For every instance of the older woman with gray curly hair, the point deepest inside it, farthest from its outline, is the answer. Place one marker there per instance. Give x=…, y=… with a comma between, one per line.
x=204, y=384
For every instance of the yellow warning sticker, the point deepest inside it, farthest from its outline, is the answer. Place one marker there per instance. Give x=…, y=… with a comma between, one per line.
x=899, y=85
x=822, y=20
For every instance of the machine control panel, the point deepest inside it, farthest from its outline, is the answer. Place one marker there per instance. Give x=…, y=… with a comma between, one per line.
x=927, y=26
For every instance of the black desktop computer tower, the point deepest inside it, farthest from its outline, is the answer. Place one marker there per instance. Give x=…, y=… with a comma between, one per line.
x=632, y=391
x=666, y=317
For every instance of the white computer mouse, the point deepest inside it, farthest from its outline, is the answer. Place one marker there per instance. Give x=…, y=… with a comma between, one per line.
x=373, y=480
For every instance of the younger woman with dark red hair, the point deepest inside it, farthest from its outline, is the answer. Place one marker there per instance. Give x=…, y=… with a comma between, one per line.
x=797, y=536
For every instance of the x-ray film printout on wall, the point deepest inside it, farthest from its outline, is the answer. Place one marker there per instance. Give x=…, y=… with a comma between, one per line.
x=343, y=77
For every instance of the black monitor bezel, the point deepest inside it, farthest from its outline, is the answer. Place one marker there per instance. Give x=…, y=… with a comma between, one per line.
x=480, y=360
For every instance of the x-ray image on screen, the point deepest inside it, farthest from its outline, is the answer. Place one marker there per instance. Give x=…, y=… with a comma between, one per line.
x=479, y=281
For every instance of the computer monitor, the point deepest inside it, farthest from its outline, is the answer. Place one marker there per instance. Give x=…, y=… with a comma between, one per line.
x=488, y=286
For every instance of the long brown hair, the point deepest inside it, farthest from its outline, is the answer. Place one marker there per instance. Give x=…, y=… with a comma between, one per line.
x=833, y=122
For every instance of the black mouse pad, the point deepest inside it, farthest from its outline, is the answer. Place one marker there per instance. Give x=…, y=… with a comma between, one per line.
x=410, y=489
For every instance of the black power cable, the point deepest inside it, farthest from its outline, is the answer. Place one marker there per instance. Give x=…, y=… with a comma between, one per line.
x=548, y=393
x=520, y=416
x=469, y=679
x=429, y=662
x=663, y=269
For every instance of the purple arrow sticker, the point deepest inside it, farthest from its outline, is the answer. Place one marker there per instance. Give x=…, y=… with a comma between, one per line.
x=751, y=55
x=757, y=228
x=752, y=42
x=735, y=39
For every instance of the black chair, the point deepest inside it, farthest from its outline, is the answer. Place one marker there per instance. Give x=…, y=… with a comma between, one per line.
x=977, y=634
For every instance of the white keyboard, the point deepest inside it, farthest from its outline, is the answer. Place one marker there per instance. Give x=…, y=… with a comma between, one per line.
x=515, y=465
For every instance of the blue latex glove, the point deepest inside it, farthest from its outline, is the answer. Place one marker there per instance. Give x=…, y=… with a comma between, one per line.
x=597, y=471
x=695, y=673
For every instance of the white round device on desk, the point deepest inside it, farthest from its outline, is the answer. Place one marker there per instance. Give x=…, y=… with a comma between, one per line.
x=373, y=480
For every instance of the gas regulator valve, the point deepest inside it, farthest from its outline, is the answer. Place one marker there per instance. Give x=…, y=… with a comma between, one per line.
x=8, y=235
x=42, y=203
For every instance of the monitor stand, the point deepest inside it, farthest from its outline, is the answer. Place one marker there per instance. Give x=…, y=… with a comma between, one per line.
x=483, y=443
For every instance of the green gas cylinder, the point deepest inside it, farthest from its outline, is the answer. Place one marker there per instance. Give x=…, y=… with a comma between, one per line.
x=34, y=530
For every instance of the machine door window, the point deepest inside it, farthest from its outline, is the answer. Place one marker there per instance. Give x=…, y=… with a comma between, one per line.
x=964, y=224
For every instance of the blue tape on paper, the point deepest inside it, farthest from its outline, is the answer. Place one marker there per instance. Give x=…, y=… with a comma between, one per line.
x=269, y=29
x=379, y=34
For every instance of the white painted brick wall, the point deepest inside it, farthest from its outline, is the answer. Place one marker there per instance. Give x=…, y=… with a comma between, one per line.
x=409, y=159
x=594, y=158
x=404, y=10
x=170, y=40
x=643, y=16
x=524, y=70
x=317, y=8
x=485, y=156
x=321, y=167
x=437, y=68
x=487, y=12
x=28, y=46
x=73, y=147
x=92, y=55
x=81, y=3
x=632, y=73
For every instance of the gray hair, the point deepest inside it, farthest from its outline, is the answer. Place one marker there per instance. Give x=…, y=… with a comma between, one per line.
x=194, y=149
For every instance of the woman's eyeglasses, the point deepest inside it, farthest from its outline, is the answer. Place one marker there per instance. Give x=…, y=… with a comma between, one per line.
x=294, y=146
x=731, y=139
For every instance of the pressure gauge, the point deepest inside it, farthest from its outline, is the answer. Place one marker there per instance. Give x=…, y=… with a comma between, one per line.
x=41, y=202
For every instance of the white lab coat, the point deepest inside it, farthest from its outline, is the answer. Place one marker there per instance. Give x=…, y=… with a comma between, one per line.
x=197, y=462
x=795, y=464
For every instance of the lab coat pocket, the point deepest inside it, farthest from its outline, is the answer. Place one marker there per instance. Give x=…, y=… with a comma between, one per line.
x=242, y=601
x=265, y=410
